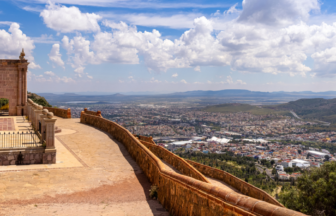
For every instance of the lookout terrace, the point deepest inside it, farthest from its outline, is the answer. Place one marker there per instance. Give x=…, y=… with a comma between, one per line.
x=58, y=165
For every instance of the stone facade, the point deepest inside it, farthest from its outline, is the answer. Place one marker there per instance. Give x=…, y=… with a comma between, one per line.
x=13, y=84
x=63, y=113
x=181, y=194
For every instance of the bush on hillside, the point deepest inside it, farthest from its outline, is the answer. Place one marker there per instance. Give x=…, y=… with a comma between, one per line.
x=315, y=193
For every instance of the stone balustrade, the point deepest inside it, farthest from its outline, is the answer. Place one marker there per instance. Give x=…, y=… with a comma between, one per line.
x=181, y=194
x=177, y=162
x=63, y=113
x=43, y=122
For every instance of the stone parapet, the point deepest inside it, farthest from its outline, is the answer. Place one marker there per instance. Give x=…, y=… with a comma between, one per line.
x=63, y=113
x=180, y=194
x=177, y=162
x=237, y=183
x=147, y=139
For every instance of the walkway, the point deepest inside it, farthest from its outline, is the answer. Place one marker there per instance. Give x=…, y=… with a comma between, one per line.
x=94, y=175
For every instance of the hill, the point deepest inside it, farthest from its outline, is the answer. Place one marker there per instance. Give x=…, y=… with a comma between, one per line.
x=237, y=107
x=38, y=99
x=316, y=108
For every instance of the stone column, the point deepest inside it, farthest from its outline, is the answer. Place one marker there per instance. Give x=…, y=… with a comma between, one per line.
x=37, y=114
x=43, y=127
x=49, y=156
x=50, y=130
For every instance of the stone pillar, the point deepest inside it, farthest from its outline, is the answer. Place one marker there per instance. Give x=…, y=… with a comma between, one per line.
x=50, y=130
x=43, y=127
x=69, y=113
x=37, y=114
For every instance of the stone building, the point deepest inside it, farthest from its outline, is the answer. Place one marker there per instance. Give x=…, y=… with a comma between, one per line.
x=13, y=84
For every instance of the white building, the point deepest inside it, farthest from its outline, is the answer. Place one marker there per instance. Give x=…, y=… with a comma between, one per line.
x=300, y=163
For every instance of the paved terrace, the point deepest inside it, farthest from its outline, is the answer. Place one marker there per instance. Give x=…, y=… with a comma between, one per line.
x=93, y=175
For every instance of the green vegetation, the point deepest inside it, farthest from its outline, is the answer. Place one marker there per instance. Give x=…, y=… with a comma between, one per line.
x=3, y=103
x=317, y=108
x=315, y=193
x=241, y=167
x=236, y=107
x=38, y=99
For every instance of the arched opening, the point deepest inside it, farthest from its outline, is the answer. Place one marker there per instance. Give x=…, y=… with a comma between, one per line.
x=4, y=106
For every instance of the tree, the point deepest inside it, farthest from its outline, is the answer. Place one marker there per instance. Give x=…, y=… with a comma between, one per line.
x=315, y=193
x=274, y=171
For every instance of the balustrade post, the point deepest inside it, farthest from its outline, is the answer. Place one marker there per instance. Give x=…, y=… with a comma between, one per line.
x=43, y=127
x=49, y=156
x=37, y=113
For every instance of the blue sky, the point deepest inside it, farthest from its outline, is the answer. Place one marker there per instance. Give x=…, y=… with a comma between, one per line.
x=168, y=46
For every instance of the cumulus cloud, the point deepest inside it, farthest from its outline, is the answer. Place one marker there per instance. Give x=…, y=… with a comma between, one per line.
x=69, y=19
x=183, y=81
x=266, y=37
x=49, y=73
x=197, y=68
x=55, y=55
x=32, y=65
x=50, y=77
x=175, y=75
x=279, y=12
x=12, y=42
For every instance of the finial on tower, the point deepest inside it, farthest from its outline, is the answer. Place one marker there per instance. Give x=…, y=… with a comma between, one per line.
x=22, y=55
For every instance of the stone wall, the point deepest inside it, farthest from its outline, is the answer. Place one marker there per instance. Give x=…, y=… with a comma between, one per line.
x=237, y=183
x=178, y=163
x=13, y=85
x=180, y=194
x=147, y=139
x=63, y=113
x=31, y=156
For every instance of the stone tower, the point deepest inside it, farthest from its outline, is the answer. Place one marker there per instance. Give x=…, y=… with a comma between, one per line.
x=13, y=84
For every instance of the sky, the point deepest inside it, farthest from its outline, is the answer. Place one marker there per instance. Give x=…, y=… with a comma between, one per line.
x=170, y=46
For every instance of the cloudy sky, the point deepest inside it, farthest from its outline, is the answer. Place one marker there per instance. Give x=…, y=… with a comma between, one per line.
x=168, y=46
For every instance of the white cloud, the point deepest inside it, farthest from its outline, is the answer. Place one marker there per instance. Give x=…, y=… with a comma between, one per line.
x=44, y=38
x=183, y=81
x=49, y=73
x=6, y=23
x=130, y=77
x=248, y=43
x=55, y=55
x=197, y=68
x=12, y=42
x=69, y=19
x=240, y=82
x=279, y=12
x=229, y=79
x=51, y=77
x=32, y=65
x=175, y=75
x=90, y=77
x=130, y=4
x=175, y=21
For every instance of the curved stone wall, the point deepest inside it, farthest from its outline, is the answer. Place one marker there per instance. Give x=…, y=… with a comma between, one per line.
x=237, y=183
x=180, y=194
x=178, y=163
x=63, y=113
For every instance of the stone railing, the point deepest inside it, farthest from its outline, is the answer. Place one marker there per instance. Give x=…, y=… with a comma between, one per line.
x=63, y=113
x=43, y=122
x=98, y=113
x=147, y=139
x=178, y=163
x=237, y=183
x=180, y=194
